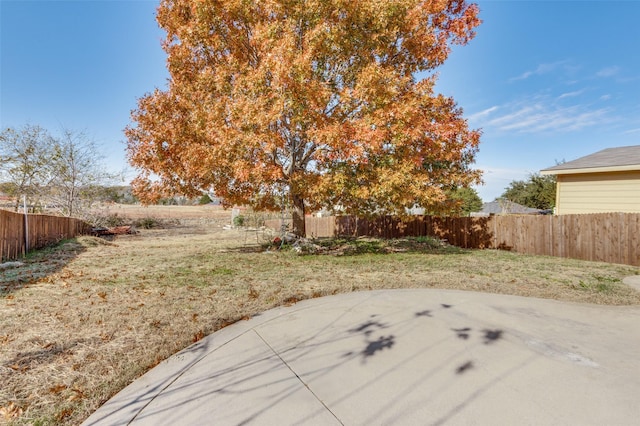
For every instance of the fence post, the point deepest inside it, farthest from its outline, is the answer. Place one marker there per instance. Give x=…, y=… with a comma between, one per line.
x=26, y=224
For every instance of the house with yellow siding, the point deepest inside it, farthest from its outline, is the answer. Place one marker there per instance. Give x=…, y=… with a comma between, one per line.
x=605, y=182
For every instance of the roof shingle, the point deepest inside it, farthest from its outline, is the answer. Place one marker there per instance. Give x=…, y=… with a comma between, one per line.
x=610, y=157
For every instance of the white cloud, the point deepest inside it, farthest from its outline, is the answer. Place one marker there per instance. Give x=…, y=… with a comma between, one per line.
x=515, y=116
x=571, y=94
x=628, y=132
x=541, y=69
x=544, y=115
x=523, y=76
x=608, y=72
x=482, y=114
x=556, y=107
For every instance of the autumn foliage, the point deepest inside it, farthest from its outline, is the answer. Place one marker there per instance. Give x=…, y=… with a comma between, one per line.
x=322, y=103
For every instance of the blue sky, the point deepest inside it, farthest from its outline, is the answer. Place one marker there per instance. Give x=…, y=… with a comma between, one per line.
x=545, y=80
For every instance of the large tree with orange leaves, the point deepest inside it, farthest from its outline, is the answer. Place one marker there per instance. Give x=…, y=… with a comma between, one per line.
x=314, y=101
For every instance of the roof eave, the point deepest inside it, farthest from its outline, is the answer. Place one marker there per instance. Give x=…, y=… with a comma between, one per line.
x=585, y=170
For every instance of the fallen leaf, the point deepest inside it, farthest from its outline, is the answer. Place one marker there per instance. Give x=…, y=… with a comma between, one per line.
x=198, y=336
x=57, y=388
x=11, y=411
x=77, y=394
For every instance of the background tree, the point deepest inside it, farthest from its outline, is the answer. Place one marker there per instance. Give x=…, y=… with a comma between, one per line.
x=204, y=199
x=24, y=156
x=64, y=172
x=116, y=194
x=537, y=192
x=77, y=172
x=469, y=201
x=315, y=101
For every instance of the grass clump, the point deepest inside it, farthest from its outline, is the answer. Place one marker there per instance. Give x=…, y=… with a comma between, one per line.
x=600, y=284
x=101, y=219
x=366, y=245
x=147, y=223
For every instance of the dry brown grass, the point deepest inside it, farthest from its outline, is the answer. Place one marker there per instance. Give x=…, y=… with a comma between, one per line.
x=83, y=320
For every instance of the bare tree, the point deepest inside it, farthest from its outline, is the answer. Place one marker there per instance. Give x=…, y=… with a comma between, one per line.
x=77, y=172
x=24, y=156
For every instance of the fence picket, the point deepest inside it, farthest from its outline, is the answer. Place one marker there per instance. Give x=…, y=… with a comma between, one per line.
x=44, y=230
x=608, y=237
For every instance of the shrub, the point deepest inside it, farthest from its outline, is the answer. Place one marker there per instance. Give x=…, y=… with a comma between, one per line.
x=205, y=199
x=106, y=220
x=147, y=223
x=238, y=220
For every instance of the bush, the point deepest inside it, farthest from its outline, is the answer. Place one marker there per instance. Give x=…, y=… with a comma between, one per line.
x=147, y=223
x=106, y=220
x=238, y=220
x=205, y=199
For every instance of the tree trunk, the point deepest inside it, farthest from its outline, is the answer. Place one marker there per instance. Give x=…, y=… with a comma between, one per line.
x=298, y=216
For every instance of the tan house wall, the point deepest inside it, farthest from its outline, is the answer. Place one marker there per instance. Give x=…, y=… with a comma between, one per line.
x=598, y=193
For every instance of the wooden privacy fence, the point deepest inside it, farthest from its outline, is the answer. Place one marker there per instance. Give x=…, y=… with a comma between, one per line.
x=606, y=237
x=43, y=230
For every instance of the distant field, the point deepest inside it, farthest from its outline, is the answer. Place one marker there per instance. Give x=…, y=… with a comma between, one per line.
x=132, y=211
x=167, y=212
